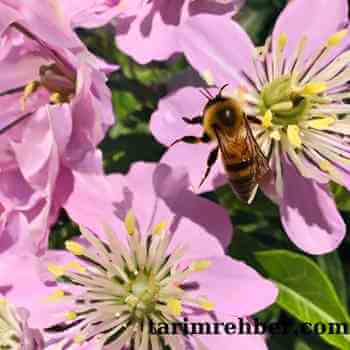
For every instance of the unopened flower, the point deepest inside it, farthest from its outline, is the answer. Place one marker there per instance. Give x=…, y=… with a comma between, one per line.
x=294, y=92
x=56, y=108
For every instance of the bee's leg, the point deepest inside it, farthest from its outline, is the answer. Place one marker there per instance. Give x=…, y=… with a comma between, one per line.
x=195, y=120
x=213, y=156
x=192, y=139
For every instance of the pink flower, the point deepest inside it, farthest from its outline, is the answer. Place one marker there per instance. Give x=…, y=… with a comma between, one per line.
x=162, y=259
x=293, y=92
x=151, y=32
x=146, y=30
x=56, y=108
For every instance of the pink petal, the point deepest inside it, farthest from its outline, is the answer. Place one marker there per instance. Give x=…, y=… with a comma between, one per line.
x=7, y=17
x=309, y=213
x=317, y=19
x=225, y=341
x=234, y=287
x=193, y=159
x=167, y=124
x=224, y=59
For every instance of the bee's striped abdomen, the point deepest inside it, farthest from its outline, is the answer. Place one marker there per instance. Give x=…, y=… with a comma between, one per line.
x=242, y=178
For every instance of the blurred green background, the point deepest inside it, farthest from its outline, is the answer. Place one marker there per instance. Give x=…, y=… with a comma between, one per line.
x=312, y=289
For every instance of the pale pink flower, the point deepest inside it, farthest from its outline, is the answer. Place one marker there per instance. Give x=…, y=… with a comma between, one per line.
x=294, y=93
x=157, y=258
x=55, y=109
x=146, y=30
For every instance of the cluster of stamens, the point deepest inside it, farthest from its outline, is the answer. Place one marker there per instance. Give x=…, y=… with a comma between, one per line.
x=298, y=106
x=125, y=286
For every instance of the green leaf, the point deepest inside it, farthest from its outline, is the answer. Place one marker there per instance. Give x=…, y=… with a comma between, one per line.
x=305, y=291
x=300, y=345
x=332, y=266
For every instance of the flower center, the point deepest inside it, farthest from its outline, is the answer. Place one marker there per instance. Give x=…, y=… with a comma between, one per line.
x=59, y=85
x=287, y=103
x=126, y=285
x=142, y=295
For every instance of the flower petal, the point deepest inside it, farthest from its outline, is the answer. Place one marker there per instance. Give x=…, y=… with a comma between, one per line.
x=224, y=340
x=222, y=60
x=317, y=19
x=193, y=158
x=167, y=124
x=234, y=287
x=309, y=214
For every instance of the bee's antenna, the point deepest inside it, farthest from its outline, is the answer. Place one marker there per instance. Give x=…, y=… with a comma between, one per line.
x=222, y=89
x=206, y=94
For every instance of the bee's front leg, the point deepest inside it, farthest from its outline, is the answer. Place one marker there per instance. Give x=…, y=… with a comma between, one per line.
x=193, y=121
x=193, y=139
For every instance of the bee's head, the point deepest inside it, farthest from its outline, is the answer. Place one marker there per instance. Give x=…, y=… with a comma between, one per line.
x=221, y=113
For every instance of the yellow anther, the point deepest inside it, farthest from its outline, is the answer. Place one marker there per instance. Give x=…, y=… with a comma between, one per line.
x=206, y=304
x=160, y=228
x=200, y=265
x=314, y=88
x=293, y=133
x=74, y=265
x=282, y=41
x=56, y=270
x=175, y=306
x=208, y=77
x=321, y=123
x=325, y=166
x=130, y=222
x=275, y=135
x=336, y=38
x=57, y=98
x=29, y=89
x=71, y=315
x=75, y=248
x=56, y=296
x=3, y=301
x=79, y=339
x=267, y=119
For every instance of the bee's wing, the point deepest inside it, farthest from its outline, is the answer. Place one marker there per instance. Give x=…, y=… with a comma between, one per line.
x=261, y=164
x=242, y=144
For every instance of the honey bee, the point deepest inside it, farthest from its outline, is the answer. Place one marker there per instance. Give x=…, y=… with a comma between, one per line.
x=224, y=120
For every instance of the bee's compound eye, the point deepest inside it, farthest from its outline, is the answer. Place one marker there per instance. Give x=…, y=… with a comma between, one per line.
x=227, y=117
